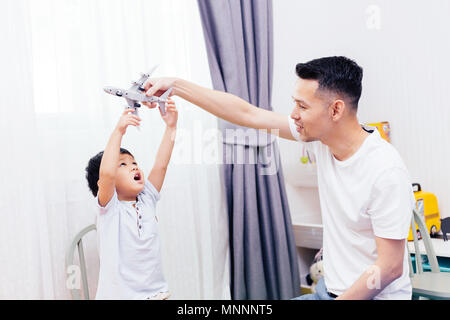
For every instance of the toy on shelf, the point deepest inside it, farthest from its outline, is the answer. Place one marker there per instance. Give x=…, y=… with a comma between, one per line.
x=427, y=206
x=445, y=227
x=315, y=271
x=383, y=128
x=306, y=157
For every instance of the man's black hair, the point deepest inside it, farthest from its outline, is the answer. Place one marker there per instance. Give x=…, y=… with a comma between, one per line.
x=93, y=170
x=336, y=74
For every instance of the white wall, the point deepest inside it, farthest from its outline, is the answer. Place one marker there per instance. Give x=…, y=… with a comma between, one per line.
x=406, y=72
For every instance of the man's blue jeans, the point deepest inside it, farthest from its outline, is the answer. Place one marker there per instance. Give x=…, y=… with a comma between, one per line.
x=320, y=294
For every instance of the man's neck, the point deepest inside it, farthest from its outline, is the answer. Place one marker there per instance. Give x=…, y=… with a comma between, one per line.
x=346, y=140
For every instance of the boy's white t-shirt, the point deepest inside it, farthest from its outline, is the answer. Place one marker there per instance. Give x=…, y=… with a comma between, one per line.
x=128, y=241
x=370, y=194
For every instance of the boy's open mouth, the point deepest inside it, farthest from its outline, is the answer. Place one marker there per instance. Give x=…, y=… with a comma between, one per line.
x=137, y=176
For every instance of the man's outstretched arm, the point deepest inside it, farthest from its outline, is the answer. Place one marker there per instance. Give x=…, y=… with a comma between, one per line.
x=223, y=105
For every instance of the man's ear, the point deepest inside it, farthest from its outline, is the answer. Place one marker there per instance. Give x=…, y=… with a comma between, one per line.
x=337, y=109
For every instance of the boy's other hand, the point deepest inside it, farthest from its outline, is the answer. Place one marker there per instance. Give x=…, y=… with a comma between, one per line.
x=127, y=119
x=171, y=116
x=157, y=87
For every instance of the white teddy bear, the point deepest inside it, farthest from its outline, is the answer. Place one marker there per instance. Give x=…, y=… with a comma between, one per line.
x=315, y=271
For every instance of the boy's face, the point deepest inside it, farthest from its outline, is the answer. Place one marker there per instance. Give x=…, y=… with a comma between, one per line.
x=129, y=179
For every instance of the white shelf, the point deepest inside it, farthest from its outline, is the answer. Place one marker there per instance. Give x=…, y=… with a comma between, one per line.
x=300, y=175
x=308, y=231
x=296, y=173
x=441, y=247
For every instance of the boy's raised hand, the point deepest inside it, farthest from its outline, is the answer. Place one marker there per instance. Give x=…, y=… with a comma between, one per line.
x=127, y=119
x=171, y=116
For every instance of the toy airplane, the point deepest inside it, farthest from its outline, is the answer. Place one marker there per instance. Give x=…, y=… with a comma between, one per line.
x=136, y=94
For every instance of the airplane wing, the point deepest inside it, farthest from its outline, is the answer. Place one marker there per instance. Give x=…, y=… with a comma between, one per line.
x=135, y=86
x=130, y=102
x=140, y=83
x=132, y=106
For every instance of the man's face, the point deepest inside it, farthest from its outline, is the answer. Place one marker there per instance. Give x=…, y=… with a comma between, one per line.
x=310, y=112
x=129, y=178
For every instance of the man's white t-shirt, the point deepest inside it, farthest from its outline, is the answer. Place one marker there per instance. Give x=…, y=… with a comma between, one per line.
x=128, y=241
x=366, y=195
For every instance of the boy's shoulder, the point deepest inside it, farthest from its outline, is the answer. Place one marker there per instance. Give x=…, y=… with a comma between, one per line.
x=110, y=206
x=149, y=193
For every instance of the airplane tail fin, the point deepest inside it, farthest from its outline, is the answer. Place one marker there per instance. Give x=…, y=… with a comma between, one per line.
x=166, y=94
x=162, y=102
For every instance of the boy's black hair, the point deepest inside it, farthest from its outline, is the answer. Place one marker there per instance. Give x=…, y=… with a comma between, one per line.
x=93, y=170
x=337, y=74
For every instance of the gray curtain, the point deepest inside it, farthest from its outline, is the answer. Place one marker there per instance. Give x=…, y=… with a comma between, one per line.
x=238, y=35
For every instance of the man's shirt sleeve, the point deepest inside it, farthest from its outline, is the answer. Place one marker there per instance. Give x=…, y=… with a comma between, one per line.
x=391, y=204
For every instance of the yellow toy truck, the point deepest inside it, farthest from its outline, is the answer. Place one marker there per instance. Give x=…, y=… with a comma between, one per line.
x=427, y=206
x=384, y=129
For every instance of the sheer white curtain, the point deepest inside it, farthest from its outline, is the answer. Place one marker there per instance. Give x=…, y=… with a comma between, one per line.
x=58, y=54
